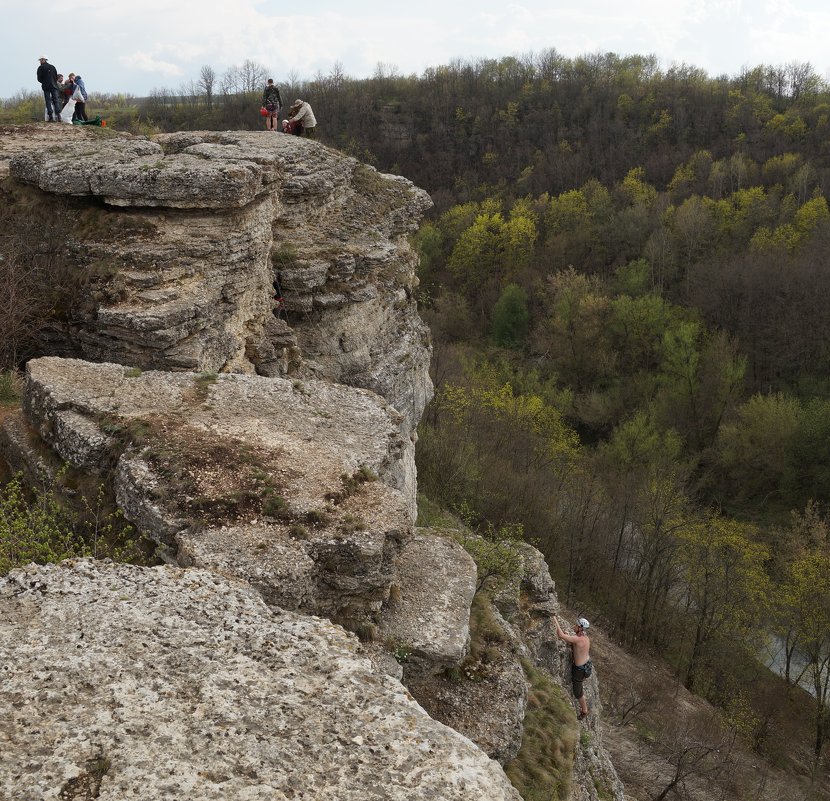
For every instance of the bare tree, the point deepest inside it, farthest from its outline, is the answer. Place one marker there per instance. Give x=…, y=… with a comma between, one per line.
x=337, y=77
x=293, y=85
x=231, y=82
x=696, y=747
x=33, y=280
x=253, y=76
x=189, y=92
x=206, y=83
x=250, y=76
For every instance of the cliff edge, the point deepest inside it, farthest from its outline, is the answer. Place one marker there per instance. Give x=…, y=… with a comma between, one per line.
x=243, y=366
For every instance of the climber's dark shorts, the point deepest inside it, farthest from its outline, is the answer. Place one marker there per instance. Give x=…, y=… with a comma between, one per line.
x=578, y=674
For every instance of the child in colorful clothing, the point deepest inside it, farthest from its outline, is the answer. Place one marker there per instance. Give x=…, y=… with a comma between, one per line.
x=272, y=103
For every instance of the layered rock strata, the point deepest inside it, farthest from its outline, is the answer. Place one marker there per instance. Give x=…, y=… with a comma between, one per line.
x=304, y=488
x=486, y=699
x=195, y=228
x=134, y=683
x=229, y=441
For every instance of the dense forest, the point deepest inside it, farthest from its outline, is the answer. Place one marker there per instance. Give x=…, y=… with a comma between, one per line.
x=626, y=273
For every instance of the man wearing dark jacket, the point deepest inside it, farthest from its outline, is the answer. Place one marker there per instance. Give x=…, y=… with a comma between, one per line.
x=47, y=77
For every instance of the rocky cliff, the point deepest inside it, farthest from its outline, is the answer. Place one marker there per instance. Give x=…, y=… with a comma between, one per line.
x=269, y=452
x=123, y=682
x=181, y=239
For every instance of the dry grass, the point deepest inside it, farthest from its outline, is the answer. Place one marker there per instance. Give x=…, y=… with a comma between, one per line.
x=543, y=767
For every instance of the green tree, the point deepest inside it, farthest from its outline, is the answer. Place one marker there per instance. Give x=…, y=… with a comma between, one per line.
x=644, y=477
x=753, y=449
x=477, y=253
x=511, y=317
x=701, y=376
x=574, y=334
x=725, y=583
x=429, y=243
x=807, y=599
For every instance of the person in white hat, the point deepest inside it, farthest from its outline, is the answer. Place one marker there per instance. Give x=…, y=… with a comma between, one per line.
x=47, y=77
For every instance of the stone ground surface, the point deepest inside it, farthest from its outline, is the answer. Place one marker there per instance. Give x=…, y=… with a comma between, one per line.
x=148, y=683
x=244, y=474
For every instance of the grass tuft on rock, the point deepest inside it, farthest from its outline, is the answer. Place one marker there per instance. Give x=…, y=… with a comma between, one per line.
x=543, y=768
x=10, y=388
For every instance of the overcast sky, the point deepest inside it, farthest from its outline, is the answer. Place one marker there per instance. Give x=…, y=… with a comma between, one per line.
x=134, y=47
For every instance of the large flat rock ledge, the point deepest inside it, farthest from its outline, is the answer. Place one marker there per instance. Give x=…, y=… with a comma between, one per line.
x=121, y=682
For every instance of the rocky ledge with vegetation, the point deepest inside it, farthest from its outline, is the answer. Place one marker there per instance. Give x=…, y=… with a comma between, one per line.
x=263, y=458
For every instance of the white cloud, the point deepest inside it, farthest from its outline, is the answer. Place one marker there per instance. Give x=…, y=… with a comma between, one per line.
x=145, y=62
x=134, y=47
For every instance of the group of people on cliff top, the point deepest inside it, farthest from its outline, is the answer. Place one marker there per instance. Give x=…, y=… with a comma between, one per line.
x=65, y=99
x=300, y=119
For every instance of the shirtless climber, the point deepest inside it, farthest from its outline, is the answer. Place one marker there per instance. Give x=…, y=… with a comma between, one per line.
x=582, y=667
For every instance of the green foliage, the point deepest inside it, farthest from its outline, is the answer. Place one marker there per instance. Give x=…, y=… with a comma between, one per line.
x=317, y=518
x=431, y=515
x=753, y=449
x=576, y=334
x=638, y=444
x=38, y=525
x=38, y=531
x=511, y=317
x=543, y=768
x=808, y=462
x=477, y=254
x=634, y=279
x=636, y=190
x=298, y=531
x=400, y=651
x=498, y=560
x=805, y=614
x=429, y=245
x=725, y=580
x=275, y=506
x=639, y=325
x=9, y=388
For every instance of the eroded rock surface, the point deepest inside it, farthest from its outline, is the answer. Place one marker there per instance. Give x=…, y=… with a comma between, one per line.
x=486, y=698
x=135, y=683
x=487, y=705
x=304, y=488
x=428, y=617
x=194, y=229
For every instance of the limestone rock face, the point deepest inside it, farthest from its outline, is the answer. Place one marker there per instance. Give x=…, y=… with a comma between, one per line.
x=488, y=706
x=595, y=778
x=195, y=229
x=429, y=617
x=135, y=683
x=486, y=700
x=305, y=489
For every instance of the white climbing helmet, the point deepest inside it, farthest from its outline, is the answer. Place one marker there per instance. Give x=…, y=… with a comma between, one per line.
x=583, y=624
